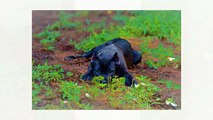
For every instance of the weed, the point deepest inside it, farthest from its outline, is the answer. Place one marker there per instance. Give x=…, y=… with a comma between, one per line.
x=36, y=90
x=92, y=27
x=164, y=24
x=161, y=24
x=46, y=73
x=48, y=38
x=49, y=92
x=157, y=57
x=70, y=91
x=97, y=88
x=121, y=19
x=86, y=106
x=46, y=33
x=170, y=84
x=97, y=82
x=131, y=98
x=69, y=74
x=49, y=35
x=117, y=84
x=64, y=22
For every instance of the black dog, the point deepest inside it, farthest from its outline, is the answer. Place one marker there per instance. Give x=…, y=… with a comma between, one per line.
x=111, y=58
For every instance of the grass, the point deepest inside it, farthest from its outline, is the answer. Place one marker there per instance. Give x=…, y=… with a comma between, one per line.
x=50, y=34
x=46, y=73
x=158, y=56
x=170, y=84
x=64, y=22
x=35, y=92
x=70, y=93
x=43, y=76
x=131, y=98
x=142, y=25
x=92, y=27
x=48, y=38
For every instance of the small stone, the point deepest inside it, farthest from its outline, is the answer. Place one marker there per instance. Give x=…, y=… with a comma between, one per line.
x=87, y=95
x=171, y=59
x=143, y=84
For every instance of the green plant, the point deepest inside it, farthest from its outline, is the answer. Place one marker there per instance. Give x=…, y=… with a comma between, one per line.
x=94, y=40
x=36, y=89
x=131, y=98
x=96, y=89
x=117, y=84
x=121, y=19
x=49, y=35
x=69, y=74
x=49, y=92
x=170, y=84
x=97, y=82
x=163, y=24
x=92, y=27
x=64, y=22
x=48, y=38
x=45, y=73
x=159, y=56
x=70, y=91
x=46, y=33
x=86, y=106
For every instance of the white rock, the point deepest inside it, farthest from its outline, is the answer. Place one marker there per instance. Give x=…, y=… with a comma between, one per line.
x=86, y=94
x=143, y=84
x=171, y=59
x=65, y=102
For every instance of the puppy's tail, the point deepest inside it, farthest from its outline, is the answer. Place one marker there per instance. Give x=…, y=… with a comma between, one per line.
x=85, y=55
x=72, y=57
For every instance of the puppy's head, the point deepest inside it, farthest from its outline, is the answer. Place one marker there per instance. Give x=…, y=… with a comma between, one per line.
x=105, y=64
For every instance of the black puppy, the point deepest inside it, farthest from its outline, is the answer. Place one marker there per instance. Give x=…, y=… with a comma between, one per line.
x=111, y=58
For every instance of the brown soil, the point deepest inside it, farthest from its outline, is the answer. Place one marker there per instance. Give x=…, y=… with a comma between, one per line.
x=40, y=19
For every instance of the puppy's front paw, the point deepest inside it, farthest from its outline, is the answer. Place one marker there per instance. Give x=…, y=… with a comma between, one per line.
x=136, y=85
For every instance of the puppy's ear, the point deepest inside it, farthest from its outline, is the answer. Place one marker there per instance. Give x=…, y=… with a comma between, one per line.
x=115, y=59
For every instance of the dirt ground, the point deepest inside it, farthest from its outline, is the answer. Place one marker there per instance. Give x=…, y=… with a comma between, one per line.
x=78, y=67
